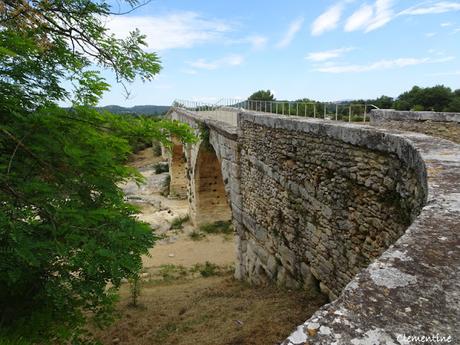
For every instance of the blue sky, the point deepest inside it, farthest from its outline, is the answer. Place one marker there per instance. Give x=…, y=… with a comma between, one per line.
x=324, y=50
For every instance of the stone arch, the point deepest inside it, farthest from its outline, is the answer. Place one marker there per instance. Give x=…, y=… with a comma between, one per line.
x=209, y=202
x=178, y=170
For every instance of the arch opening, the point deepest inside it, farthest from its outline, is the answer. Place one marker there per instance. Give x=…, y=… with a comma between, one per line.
x=208, y=189
x=178, y=171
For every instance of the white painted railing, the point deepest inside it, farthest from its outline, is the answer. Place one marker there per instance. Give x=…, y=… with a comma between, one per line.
x=226, y=109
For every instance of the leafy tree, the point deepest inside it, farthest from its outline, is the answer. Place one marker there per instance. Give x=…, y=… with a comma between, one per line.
x=262, y=95
x=67, y=235
x=435, y=98
x=383, y=102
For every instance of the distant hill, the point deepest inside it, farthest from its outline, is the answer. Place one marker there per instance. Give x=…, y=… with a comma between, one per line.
x=137, y=109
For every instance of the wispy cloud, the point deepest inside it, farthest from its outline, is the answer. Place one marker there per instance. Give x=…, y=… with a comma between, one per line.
x=380, y=65
x=360, y=18
x=432, y=8
x=227, y=61
x=328, y=54
x=175, y=30
x=383, y=14
x=257, y=42
x=371, y=17
x=294, y=28
x=446, y=24
x=327, y=21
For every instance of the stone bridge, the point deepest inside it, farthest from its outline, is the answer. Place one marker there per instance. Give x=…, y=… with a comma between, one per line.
x=369, y=216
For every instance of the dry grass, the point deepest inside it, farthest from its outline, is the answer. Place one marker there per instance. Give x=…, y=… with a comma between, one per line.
x=209, y=311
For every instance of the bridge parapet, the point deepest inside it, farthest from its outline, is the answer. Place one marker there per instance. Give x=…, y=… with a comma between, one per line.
x=368, y=214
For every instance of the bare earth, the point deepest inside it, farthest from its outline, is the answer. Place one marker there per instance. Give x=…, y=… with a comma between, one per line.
x=177, y=248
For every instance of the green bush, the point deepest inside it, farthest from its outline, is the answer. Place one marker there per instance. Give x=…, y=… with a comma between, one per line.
x=196, y=235
x=219, y=227
x=178, y=223
x=173, y=272
x=160, y=168
x=207, y=269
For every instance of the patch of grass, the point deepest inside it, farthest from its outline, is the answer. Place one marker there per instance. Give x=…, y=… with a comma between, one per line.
x=210, y=311
x=172, y=272
x=219, y=227
x=207, y=269
x=197, y=235
x=178, y=223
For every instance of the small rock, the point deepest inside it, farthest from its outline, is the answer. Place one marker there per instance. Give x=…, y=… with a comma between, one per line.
x=312, y=329
x=116, y=340
x=171, y=255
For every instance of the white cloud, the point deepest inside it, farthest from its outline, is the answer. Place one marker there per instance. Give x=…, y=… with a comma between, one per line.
x=360, y=19
x=380, y=65
x=294, y=28
x=327, y=54
x=258, y=42
x=190, y=71
x=176, y=30
x=446, y=24
x=430, y=34
x=227, y=61
x=371, y=17
x=328, y=20
x=383, y=14
x=434, y=8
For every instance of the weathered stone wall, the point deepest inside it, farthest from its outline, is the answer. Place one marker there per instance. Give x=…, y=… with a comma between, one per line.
x=317, y=208
x=317, y=201
x=383, y=115
x=441, y=125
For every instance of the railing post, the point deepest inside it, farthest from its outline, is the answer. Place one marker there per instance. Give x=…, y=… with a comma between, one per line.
x=305, y=110
x=365, y=112
x=336, y=111
x=289, y=108
x=297, y=106
x=349, y=114
x=325, y=105
x=314, y=111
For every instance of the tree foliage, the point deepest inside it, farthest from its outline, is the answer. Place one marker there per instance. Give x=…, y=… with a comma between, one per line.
x=67, y=235
x=437, y=98
x=262, y=95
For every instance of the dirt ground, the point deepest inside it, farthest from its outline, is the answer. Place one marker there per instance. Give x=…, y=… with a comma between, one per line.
x=176, y=247
x=210, y=311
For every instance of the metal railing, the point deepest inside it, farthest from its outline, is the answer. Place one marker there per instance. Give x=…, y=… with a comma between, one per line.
x=338, y=111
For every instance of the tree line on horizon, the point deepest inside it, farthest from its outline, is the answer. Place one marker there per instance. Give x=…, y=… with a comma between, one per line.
x=437, y=98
